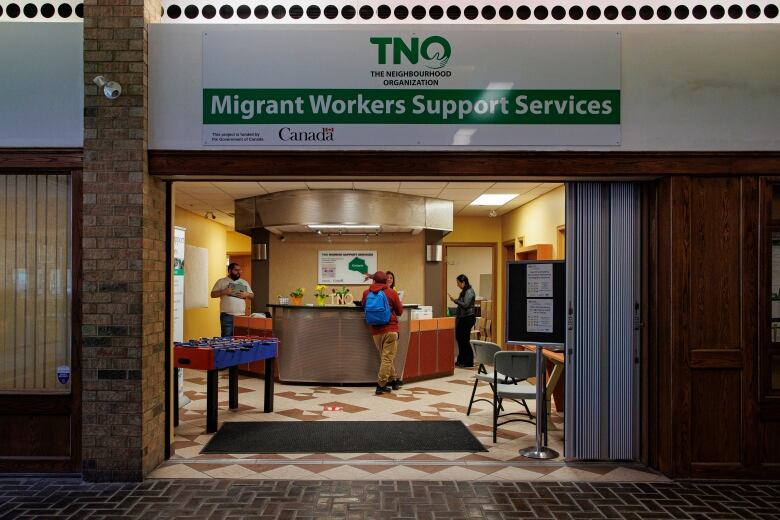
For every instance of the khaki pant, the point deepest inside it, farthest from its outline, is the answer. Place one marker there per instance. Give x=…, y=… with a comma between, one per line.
x=387, y=345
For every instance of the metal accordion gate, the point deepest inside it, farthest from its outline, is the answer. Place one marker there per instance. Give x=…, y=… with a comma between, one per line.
x=603, y=254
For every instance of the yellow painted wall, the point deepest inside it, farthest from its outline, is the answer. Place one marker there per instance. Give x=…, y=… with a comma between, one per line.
x=486, y=230
x=475, y=229
x=213, y=236
x=294, y=262
x=538, y=220
x=238, y=242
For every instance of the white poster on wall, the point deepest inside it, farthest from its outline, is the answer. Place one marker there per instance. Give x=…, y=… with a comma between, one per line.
x=178, y=299
x=178, y=284
x=345, y=267
x=410, y=86
x=196, y=278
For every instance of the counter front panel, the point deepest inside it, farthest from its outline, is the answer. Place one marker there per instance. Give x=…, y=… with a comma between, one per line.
x=330, y=344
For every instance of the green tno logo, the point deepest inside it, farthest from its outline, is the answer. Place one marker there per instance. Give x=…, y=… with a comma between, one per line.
x=434, y=51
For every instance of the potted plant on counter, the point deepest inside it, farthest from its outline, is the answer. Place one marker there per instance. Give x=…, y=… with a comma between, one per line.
x=296, y=296
x=342, y=296
x=320, y=294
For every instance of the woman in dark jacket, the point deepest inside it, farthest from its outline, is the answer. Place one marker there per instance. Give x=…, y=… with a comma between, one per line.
x=464, y=321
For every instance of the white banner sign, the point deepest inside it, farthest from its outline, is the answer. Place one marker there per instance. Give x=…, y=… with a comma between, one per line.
x=345, y=267
x=178, y=299
x=400, y=86
x=178, y=284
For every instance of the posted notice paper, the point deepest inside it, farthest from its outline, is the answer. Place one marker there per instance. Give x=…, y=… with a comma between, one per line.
x=539, y=281
x=539, y=315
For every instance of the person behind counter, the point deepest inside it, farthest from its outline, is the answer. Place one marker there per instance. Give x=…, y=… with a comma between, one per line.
x=465, y=318
x=390, y=279
x=386, y=336
x=232, y=292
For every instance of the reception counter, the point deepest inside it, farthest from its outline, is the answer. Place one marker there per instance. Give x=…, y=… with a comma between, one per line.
x=333, y=345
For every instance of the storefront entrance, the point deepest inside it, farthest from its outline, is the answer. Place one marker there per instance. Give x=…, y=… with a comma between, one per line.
x=434, y=389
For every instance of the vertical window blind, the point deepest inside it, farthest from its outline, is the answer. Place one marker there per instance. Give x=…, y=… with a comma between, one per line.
x=35, y=282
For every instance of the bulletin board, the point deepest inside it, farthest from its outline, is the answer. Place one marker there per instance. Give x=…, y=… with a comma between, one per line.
x=536, y=302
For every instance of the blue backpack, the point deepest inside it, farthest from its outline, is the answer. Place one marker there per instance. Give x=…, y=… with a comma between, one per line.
x=377, y=308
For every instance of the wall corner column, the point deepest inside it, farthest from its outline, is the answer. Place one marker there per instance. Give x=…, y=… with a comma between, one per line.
x=434, y=276
x=261, y=271
x=124, y=253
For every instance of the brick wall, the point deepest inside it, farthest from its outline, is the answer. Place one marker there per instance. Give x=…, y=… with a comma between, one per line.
x=123, y=252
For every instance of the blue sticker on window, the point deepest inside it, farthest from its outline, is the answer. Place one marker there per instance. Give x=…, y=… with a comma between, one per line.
x=63, y=374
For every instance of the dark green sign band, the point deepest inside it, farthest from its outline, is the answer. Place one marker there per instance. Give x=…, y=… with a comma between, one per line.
x=410, y=106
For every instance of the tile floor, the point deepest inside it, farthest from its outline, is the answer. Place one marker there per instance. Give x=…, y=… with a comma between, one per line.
x=439, y=399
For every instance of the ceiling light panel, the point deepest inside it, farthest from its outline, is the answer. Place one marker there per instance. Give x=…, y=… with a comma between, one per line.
x=493, y=199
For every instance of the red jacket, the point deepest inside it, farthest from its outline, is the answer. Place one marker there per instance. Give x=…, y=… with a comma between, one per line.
x=396, y=308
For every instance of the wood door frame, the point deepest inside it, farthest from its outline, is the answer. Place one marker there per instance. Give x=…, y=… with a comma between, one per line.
x=494, y=261
x=198, y=165
x=50, y=162
x=560, y=231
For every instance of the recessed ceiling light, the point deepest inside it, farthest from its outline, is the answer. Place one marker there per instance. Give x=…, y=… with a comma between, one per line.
x=343, y=226
x=493, y=199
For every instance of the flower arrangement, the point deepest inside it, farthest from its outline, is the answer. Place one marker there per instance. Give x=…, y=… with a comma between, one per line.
x=297, y=293
x=320, y=294
x=342, y=296
x=341, y=292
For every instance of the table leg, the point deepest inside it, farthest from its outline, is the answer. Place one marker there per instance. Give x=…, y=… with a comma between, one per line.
x=233, y=387
x=552, y=382
x=212, y=399
x=268, y=397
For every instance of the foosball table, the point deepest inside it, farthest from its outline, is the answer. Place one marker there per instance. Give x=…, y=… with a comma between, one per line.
x=215, y=354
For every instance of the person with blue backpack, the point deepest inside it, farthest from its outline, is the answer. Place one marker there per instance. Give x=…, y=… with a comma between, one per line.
x=382, y=307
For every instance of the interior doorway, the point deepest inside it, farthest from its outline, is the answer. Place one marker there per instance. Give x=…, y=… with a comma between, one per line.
x=478, y=262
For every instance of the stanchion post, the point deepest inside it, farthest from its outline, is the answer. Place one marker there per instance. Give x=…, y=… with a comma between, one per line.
x=540, y=451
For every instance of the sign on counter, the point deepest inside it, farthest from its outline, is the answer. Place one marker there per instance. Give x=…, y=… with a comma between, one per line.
x=346, y=267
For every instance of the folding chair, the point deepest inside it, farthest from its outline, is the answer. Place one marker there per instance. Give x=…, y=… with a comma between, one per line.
x=517, y=366
x=483, y=355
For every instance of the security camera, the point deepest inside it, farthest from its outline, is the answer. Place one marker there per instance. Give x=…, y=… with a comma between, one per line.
x=111, y=89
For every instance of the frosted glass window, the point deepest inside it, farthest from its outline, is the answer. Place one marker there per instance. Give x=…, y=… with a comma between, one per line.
x=35, y=282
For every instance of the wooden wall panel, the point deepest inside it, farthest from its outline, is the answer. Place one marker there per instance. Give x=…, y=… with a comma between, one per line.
x=715, y=260
x=770, y=443
x=34, y=436
x=704, y=294
x=715, y=407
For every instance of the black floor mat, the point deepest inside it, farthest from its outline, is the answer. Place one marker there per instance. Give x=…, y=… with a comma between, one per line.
x=342, y=437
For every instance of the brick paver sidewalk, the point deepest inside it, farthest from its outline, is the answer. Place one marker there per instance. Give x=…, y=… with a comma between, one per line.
x=235, y=499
